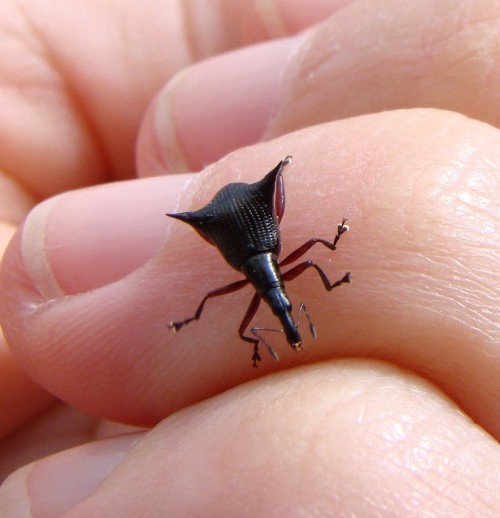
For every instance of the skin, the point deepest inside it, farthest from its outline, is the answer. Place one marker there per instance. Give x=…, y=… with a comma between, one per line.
x=391, y=114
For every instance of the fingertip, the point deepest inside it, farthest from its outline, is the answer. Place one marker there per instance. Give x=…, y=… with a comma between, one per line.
x=225, y=102
x=20, y=397
x=56, y=484
x=86, y=239
x=14, y=498
x=219, y=105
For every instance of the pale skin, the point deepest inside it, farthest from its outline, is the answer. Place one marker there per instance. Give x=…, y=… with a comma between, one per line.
x=395, y=409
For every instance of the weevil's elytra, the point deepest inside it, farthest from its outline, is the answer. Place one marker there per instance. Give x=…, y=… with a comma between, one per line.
x=242, y=221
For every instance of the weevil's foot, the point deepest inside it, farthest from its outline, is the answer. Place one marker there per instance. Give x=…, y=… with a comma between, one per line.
x=256, y=356
x=175, y=326
x=342, y=227
x=346, y=279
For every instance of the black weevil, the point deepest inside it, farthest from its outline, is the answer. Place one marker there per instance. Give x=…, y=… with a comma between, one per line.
x=242, y=221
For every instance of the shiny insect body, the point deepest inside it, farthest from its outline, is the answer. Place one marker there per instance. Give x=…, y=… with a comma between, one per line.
x=242, y=221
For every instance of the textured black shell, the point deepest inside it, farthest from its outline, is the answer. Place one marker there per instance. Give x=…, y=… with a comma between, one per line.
x=241, y=219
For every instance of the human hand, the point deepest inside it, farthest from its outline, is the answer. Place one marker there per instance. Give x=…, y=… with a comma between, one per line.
x=71, y=107
x=419, y=189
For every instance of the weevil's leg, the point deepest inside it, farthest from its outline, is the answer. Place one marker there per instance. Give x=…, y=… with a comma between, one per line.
x=312, y=327
x=293, y=256
x=272, y=352
x=234, y=286
x=300, y=268
x=252, y=309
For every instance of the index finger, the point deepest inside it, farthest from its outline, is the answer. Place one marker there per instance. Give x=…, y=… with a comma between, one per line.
x=417, y=187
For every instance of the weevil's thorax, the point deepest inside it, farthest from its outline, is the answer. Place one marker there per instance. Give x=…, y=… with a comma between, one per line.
x=241, y=221
x=244, y=225
x=263, y=272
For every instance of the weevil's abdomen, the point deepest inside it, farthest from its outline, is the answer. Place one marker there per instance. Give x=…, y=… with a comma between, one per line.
x=240, y=220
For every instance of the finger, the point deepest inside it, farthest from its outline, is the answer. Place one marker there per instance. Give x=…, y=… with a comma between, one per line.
x=419, y=190
x=77, y=77
x=15, y=202
x=354, y=435
x=20, y=397
x=61, y=127
x=57, y=428
x=417, y=54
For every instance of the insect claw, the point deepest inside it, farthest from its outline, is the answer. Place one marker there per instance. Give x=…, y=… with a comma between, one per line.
x=342, y=227
x=172, y=326
x=256, y=356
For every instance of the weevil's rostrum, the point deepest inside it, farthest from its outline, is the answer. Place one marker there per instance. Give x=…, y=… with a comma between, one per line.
x=242, y=221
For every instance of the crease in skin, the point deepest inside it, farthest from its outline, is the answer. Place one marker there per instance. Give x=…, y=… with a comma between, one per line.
x=170, y=150
x=33, y=251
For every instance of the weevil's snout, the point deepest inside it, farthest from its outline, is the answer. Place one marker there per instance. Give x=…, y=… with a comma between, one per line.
x=282, y=308
x=291, y=331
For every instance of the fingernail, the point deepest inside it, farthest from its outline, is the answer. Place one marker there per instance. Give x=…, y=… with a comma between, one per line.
x=221, y=104
x=58, y=483
x=82, y=240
